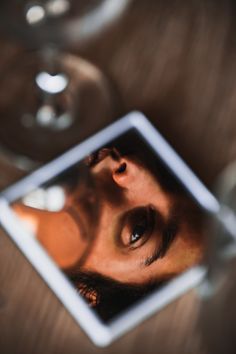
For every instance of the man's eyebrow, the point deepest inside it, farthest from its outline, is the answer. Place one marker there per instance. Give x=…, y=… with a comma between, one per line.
x=154, y=257
x=97, y=156
x=160, y=252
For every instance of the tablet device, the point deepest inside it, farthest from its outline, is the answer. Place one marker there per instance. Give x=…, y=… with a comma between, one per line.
x=116, y=226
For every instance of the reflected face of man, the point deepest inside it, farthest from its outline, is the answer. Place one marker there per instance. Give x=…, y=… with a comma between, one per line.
x=136, y=231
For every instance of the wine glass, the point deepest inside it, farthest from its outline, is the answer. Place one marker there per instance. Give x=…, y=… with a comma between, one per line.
x=51, y=98
x=217, y=311
x=61, y=22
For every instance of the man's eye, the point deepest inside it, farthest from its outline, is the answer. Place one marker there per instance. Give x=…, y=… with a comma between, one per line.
x=138, y=227
x=138, y=232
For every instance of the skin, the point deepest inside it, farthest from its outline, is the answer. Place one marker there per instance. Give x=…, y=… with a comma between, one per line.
x=97, y=238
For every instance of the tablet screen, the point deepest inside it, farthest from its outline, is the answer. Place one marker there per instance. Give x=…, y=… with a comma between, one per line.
x=118, y=224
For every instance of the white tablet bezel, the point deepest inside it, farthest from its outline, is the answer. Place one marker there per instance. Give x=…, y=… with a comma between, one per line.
x=103, y=334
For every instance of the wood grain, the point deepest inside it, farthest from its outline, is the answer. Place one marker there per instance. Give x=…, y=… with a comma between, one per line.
x=33, y=321
x=175, y=61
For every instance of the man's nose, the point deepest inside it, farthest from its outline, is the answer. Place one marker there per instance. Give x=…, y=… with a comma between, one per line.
x=121, y=170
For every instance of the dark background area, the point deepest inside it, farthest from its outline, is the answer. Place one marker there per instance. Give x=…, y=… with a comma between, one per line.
x=175, y=61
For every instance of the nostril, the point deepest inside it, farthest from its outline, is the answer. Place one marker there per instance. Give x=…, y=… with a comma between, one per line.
x=121, y=168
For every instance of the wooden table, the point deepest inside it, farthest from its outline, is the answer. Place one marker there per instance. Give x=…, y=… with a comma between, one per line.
x=33, y=321
x=175, y=62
